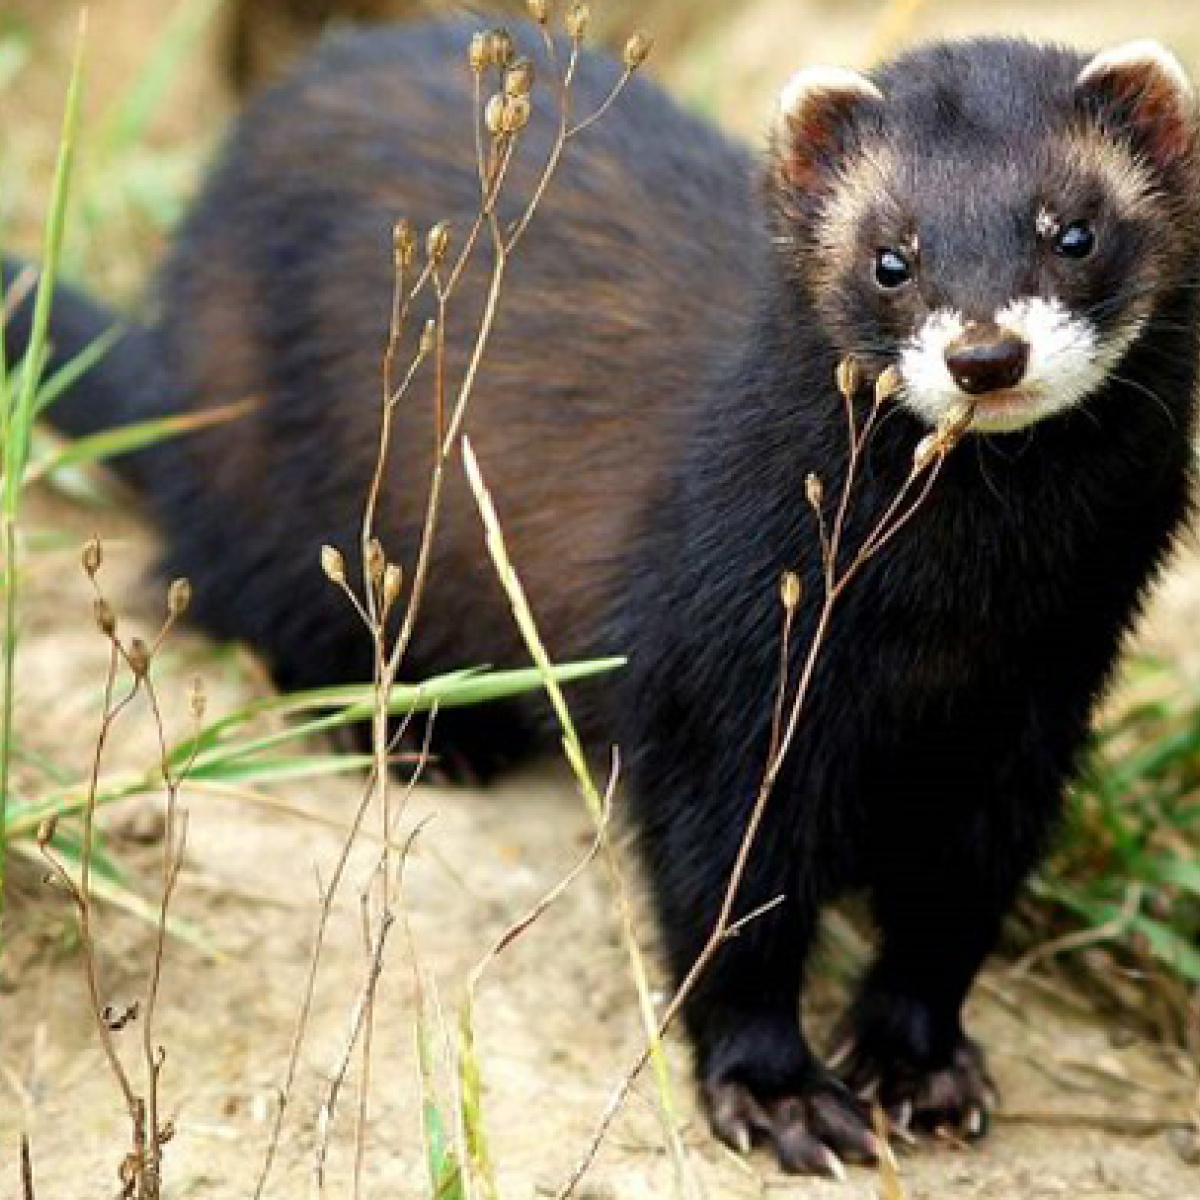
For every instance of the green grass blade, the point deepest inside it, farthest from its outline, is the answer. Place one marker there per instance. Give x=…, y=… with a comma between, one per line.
x=355, y=703
x=280, y=770
x=66, y=377
x=118, y=895
x=19, y=408
x=122, y=439
x=126, y=124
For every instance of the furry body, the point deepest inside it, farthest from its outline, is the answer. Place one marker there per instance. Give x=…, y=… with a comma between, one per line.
x=660, y=382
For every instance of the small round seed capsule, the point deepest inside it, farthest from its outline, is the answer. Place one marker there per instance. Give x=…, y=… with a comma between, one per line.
x=92, y=556
x=139, y=657
x=179, y=597
x=928, y=449
x=849, y=377
x=790, y=591
x=516, y=114
x=106, y=619
x=501, y=50
x=393, y=581
x=888, y=384
x=955, y=422
x=404, y=244
x=518, y=79
x=376, y=559
x=438, y=241
x=637, y=50
x=333, y=564
x=478, y=54
x=493, y=115
x=814, y=490
x=578, y=20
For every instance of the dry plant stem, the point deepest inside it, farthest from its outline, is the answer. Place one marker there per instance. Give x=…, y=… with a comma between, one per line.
x=27, y=1188
x=358, y=1022
x=1112, y=929
x=550, y=898
x=324, y=912
x=374, y=942
x=174, y=843
x=1111, y=1123
x=374, y=608
x=894, y=519
x=81, y=893
x=364, y=1081
x=573, y=750
x=142, y=1169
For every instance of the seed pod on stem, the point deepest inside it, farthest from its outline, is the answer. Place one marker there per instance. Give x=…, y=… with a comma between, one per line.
x=92, y=556
x=516, y=114
x=814, y=489
x=404, y=244
x=501, y=50
x=393, y=581
x=106, y=619
x=139, y=657
x=478, y=53
x=790, y=591
x=438, y=241
x=888, y=384
x=179, y=597
x=493, y=115
x=849, y=377
x=928, y=449
x=578, y=20
x=376, y=559
x=955, y=422
x=518, y=79
x=637, y=50
x=333, y=564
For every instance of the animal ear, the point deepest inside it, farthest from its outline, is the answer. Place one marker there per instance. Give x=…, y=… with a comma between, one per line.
x=818, y=111
x=1141, y=88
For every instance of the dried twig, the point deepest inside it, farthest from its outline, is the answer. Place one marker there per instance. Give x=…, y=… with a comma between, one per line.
x=926, y=465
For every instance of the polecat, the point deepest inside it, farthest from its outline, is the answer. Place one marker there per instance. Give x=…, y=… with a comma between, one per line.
x=1013, y=223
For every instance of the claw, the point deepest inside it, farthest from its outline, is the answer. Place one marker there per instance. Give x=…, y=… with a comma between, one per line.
x=841, y=1055
x=833, y=1166
x=975, y=1122
x=811, y=1129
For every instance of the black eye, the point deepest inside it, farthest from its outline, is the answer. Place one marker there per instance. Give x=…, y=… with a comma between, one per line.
x=1076, y=240
x=892, y=269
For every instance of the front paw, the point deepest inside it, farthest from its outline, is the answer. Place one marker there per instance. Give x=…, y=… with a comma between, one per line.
x=811, y=1126
x=955, y=1094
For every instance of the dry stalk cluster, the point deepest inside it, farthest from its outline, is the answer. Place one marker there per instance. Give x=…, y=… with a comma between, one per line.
x=388, y=598
x=840, y=565
x=128, y=678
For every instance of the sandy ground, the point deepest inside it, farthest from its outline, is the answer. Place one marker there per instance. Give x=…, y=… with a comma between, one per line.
x=557, y=1018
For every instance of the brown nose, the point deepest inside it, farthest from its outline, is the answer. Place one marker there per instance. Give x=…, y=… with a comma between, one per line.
x=987, y=359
